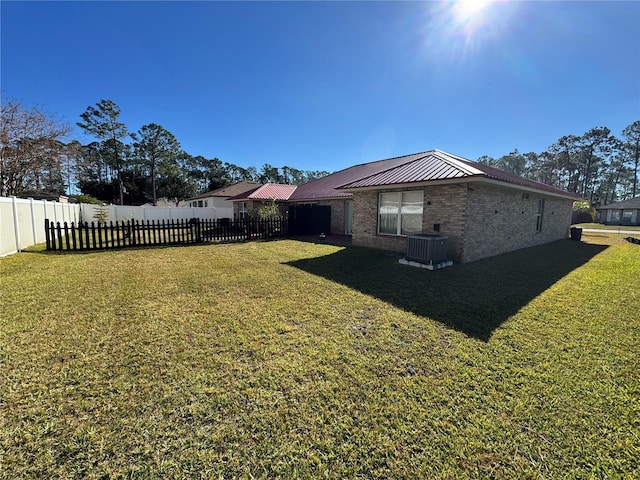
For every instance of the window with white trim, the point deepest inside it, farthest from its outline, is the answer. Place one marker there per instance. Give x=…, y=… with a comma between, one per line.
x=242, y=210
x=540, y=215
x=400, y=213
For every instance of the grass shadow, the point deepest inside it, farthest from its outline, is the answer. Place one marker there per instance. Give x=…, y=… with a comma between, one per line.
x=474, y=298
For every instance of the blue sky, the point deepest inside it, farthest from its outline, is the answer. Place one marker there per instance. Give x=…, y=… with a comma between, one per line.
x=322, y=86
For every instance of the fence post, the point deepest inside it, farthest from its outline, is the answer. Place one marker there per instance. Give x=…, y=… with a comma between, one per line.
x=46, y=233
x=16, y=229
x=33, y=220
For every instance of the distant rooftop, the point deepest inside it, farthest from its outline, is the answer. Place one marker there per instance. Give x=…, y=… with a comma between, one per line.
x=630, y=203
x=268, y=191
x=229, y=190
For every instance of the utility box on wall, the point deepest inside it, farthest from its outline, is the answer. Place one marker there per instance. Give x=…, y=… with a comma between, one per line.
x=427, y=248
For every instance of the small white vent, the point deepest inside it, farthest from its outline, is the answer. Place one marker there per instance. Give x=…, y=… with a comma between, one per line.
x=425, y=248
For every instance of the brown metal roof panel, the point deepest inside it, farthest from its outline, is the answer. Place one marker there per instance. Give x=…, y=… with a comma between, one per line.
x=437, y=165
x=425, y=168
x=501, y=175
x=325, y=187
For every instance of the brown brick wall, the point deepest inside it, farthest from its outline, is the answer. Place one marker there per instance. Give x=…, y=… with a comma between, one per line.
x=501, y=220
x=443, y=204
x=480, y=220
x=338, y=208
x=446, y=205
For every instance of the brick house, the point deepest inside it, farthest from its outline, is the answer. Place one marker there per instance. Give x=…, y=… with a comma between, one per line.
x=482, y=210
x=324, y=192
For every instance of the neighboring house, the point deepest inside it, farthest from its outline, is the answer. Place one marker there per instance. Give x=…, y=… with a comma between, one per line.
x=253, y=199
x=482, y=210
x=220, y=198
x=626, y=212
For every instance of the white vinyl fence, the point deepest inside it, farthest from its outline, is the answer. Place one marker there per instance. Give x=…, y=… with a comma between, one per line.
x=117, y=213
x=22, y=220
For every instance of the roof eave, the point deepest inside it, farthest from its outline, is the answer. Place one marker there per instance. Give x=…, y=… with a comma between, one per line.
x=526, y=188
x=345, y=195
x=397, y=186
x=462, y=180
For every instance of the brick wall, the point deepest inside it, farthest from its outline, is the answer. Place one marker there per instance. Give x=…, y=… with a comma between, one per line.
x=446, y=205
x=338, y=208
x=480, y=220
x=501, y=219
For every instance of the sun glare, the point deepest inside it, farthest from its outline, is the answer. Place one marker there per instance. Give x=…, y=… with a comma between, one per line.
x=456, y=31
x=470, y=15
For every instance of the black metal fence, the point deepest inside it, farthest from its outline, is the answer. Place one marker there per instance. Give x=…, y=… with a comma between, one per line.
x=133, y=233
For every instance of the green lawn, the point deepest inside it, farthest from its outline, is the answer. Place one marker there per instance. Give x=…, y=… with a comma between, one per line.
x=286, y=359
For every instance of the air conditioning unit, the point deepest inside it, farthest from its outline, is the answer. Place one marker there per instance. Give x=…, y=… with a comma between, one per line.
x=427, y=248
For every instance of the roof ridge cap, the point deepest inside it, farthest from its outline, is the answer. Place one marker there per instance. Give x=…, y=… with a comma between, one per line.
x=426, y=153
x=455, y=160
x=386, y=159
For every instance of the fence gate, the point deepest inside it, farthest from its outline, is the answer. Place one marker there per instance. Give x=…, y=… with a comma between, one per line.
x=309, y=219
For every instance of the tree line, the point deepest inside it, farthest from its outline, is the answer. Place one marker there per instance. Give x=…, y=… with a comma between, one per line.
x=118, y=166
x=596, y=165
x=126, y=167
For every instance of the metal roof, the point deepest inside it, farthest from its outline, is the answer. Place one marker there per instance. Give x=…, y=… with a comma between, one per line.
x=423, y=167
x=325, y=187
x=267, y=192
x=436, y=165
x=432, y=165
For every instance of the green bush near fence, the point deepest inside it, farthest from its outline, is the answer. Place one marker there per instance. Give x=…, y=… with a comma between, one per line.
x=286, y=359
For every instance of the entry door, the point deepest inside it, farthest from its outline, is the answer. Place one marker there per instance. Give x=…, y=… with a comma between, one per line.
x=349, y=217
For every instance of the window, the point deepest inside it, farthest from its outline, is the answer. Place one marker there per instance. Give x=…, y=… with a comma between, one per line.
x=615, y=216
x=206, y=203
x=242, y=209
x=627, y=216
x=539, y=215
x=199, y=203
x=400, y=213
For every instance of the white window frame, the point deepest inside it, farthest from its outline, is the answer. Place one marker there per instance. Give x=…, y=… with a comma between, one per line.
x=401, y=206
x=242, y=210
